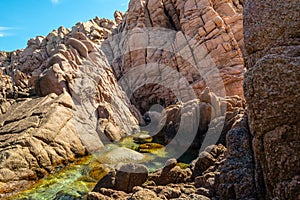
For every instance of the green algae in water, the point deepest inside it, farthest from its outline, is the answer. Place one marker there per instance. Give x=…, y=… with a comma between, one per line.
x=153, y=148
x=79, y=178
x=72, y=182
x=128, y=143
x=155, y=157
x=183, y=165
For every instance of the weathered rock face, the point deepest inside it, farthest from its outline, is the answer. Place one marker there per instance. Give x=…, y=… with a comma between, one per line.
x=272, y=88
x=217, y=172
x=70, y=60
x=206, y=169
x=7, y=90
x=37, y=135
x=59, y=99
x=236, y=179
x=165, y=48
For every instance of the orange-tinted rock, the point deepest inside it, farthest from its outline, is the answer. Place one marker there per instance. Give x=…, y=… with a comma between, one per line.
x=79, y=46
x=177, y=37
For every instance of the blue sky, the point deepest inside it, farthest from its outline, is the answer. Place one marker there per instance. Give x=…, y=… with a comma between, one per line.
x=21, y=20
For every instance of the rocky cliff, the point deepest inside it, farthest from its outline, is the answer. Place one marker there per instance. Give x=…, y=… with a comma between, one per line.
x=69, y=93
x=67, y=84
x=171, y=50
x=272, y=88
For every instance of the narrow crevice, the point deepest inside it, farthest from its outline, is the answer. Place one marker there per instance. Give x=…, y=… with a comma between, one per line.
x=191, y=49
x=171, y=20
x=13, y=120
x=148, y=13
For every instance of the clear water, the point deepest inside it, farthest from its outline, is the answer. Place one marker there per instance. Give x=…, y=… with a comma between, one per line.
x=79, y=178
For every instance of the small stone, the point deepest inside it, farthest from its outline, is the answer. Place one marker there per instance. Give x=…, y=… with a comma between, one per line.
x=142, y=138
x=113, y=132
x=204, y=161
x=144, y=194
x=79, y=46
x=171, y=163
x=129, y=176
x=121, y=155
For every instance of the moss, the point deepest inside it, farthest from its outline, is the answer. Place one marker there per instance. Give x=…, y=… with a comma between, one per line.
x=153, y=148
x=72, y=182
x=97, y=171
x=129, y=143
x=183, y=165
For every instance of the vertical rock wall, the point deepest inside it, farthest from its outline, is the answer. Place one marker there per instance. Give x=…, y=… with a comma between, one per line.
x=272, y=92
x=197, y=39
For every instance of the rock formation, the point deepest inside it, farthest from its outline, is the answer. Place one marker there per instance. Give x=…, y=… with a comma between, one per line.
x=67, y=94
x=236, y=179
x=66, y=82
x=272, y=88
x=190, y=127
x=217, y=173
x=59, y=101
x=196, y=182
x=37, y=135
x=168, y=50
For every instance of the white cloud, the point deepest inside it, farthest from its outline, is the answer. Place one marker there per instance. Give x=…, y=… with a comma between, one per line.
x=7, y=31
x=55, y=1
x=5, y=28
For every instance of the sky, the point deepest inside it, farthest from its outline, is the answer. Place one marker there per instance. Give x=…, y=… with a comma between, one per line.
x=21, y=20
